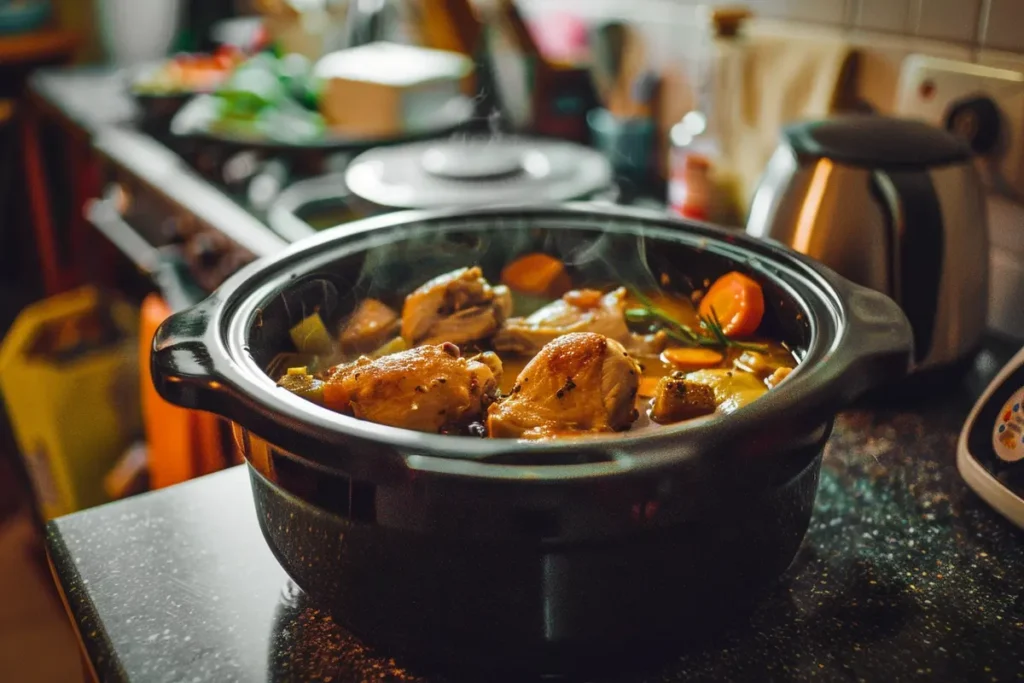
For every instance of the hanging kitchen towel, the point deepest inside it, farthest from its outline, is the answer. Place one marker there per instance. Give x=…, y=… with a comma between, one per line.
x=781, y=77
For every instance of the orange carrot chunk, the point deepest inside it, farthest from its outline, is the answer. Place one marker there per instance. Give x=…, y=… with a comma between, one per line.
x=737, y=301
x=689, y=360
x=537, y=274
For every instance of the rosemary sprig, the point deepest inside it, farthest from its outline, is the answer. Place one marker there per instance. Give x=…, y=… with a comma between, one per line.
x=674, y=329
x=713, y=325
x=649, y=312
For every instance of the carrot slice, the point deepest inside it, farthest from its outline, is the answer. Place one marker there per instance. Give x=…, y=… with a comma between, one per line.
x=537, y=274
x=691, y=359
x=583, y=298
x=737, y=301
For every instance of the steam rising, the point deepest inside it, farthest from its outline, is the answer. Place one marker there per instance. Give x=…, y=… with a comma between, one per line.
x=595, y=256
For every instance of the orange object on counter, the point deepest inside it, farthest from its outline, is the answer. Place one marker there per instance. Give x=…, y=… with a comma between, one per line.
x=182, y=444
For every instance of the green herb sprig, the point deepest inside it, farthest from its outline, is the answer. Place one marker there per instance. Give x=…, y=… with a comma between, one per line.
x=713, y=325
x=648, y=312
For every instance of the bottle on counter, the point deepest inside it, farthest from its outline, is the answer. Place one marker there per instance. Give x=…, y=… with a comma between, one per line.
x=701, y=183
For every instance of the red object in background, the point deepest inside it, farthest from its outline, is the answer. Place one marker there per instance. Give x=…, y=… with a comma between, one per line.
x=49, y=47
x=689, y=186
x=261, y=41
x=560, y=37
x=927, y=89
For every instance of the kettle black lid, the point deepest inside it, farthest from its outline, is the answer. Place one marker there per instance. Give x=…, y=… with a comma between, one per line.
x=877, y=141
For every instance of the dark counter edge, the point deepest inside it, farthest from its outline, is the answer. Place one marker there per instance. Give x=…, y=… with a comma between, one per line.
x=103, y=662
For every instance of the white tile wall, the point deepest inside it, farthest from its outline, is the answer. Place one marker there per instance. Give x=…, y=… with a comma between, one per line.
x=993, y=24
x=1002, y=25
x=817, y=11
x=891, y=16
x=955, y=20
x=988, y=31
x=881, y=58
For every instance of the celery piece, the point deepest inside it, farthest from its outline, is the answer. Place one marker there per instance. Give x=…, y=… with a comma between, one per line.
x=311, y=336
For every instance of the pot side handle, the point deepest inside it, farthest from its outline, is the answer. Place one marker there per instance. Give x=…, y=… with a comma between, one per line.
x=181, y=365
x=881, y=342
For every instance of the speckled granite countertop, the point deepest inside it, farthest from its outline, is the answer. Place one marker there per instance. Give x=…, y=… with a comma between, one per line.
x=905, y=575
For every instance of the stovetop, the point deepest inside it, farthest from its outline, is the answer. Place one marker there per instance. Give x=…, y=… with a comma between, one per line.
x=216, y=205
x=905, y=575
x=209, y=201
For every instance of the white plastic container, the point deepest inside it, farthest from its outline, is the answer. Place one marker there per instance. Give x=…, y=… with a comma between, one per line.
x=138, y=31
x=1006, y=267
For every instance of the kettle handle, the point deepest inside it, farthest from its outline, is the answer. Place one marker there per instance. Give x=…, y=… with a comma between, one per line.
x=916, y=248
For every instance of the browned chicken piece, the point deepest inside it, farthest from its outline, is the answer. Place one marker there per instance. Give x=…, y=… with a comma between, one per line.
x=578, y=383
x=457, y=307
x=581, y=310
x=427, y=389
x=369, y=326
x=677, y=399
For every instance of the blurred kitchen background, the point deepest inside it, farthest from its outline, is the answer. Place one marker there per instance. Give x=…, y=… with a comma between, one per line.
x=152, y=147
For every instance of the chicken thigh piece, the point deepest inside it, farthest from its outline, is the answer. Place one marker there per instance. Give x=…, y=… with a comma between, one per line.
x=578, y=383
x=426, y=389
x=581, y=310
x=457, y=307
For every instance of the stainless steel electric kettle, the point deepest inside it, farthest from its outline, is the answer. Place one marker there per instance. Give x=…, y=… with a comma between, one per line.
x=892, y=204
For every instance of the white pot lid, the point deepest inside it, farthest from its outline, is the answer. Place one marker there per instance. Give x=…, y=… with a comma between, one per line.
x=476, y=171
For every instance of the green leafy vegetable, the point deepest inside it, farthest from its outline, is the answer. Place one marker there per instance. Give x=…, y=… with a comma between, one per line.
x=269, y=98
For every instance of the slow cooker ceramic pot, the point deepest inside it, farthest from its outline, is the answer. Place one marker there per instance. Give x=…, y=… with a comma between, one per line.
x=544, y=555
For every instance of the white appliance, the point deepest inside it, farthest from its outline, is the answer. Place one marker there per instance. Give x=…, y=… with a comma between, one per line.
x=985, y=105
x=990, y=453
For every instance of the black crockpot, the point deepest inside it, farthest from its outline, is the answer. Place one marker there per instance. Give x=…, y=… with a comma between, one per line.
x=537, y=556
